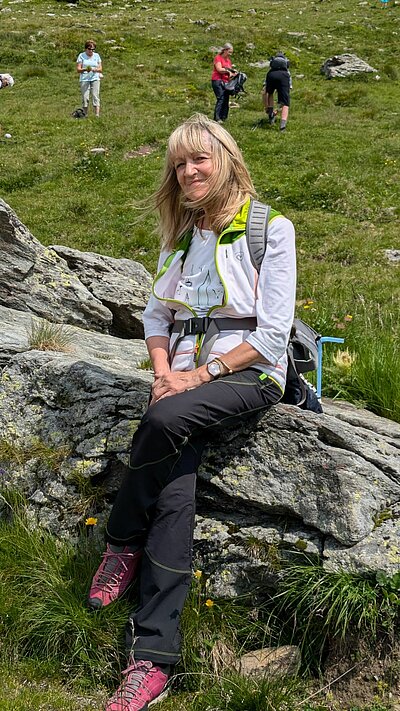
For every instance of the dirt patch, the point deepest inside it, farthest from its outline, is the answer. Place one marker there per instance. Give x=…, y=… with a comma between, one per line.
x=357, y=676
x=141, y=151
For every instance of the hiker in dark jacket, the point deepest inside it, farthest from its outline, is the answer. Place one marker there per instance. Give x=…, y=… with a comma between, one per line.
x=278, y=79
x=217, y=333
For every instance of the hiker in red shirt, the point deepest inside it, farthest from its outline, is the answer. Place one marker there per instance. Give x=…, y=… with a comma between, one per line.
x=222, y=73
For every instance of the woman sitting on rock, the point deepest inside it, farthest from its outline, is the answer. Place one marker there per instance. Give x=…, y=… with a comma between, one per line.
x=217, y=333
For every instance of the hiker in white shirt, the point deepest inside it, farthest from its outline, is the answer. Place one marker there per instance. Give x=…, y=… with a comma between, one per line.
x=217, y=333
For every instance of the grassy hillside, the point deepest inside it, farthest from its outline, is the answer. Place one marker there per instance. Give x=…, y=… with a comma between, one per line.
x=334, y=172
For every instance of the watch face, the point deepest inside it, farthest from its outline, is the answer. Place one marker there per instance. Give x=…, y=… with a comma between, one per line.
x=214, y=369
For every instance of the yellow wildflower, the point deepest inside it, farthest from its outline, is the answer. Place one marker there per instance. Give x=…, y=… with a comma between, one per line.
x=197, y=574
x=344, y=359
x=348, y=317
x=209, y=603
x=91, y=521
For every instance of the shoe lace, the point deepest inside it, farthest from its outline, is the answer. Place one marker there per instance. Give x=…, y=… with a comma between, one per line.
x=135, y=675
x=113, y=567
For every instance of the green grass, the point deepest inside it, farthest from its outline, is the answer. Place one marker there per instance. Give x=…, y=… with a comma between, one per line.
x=318, y=606
x=334, y=173
x=43, y=616
x=369, y=374
x=25, y=689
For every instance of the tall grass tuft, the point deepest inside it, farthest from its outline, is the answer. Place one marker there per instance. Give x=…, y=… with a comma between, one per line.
x=46, y=336
x=51, y=457
x=43, y=587
x=318, y=606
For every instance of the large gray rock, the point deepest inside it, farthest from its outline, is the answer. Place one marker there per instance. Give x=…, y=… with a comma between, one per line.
x=122, y=285
x=333, y=477
x=16, y=328
x=64, y=418
x=34, y=278
x=292, y=482
x=67, y=286
x=345, y=65
x=270, y=495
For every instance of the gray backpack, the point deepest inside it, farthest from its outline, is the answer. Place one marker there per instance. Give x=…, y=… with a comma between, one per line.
x=279, y=62
x=303, y=341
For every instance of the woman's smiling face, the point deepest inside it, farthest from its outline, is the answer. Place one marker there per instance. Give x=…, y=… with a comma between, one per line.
x=193, y=171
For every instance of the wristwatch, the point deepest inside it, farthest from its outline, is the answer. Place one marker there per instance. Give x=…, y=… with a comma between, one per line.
x=215, y=369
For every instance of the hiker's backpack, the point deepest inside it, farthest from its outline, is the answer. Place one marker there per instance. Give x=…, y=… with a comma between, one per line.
x=302, y=349
x=279, y=62
x=78, y=114
x=235, y=85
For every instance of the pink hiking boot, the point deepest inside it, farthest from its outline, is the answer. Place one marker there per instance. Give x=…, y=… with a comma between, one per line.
x=114, y=576
x=142, y=686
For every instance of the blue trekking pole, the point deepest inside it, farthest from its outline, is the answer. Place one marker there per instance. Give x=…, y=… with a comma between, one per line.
x=320, y=343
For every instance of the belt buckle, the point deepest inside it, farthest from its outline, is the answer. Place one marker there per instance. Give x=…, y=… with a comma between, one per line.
x=196, y=325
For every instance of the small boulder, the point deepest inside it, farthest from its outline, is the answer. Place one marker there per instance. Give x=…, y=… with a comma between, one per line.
x=270, y=662
x=345, y=65
x=393, y=255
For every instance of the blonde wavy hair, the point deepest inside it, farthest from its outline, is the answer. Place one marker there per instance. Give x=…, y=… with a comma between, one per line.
x=230, y=185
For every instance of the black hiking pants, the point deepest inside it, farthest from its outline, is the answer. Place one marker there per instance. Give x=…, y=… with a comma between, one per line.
x=155, y=505
x=222, y=104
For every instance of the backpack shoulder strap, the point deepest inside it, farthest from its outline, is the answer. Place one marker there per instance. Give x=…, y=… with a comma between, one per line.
x=258, y=217
x=184, y=243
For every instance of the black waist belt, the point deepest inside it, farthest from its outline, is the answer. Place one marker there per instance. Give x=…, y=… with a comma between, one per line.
x=210, y=328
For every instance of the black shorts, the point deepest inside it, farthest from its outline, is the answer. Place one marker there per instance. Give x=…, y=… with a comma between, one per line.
x=278, y=80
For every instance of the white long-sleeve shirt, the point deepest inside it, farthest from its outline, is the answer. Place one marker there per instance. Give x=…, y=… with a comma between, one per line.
x=268, y=296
